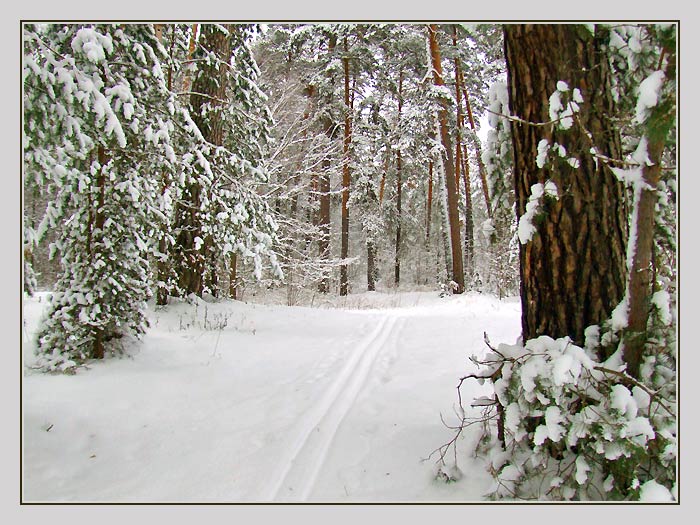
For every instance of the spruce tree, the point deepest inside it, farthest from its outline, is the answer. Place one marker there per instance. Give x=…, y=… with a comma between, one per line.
x=92, y=137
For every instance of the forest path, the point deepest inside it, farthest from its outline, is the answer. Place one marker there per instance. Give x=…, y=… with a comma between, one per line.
x=236, y=402
x=300, y=468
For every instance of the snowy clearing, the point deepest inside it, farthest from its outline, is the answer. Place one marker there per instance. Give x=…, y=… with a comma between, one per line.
x=236, y=402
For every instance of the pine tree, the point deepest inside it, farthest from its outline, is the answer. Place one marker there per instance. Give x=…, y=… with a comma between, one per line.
x=448, y=163
x=572, y=214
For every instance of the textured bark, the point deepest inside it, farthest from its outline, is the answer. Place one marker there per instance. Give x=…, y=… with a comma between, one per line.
x=448, y=159
x=347, y=138
x=573, y=270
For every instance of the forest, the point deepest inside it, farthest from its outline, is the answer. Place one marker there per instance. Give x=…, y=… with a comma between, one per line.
x=203, y=187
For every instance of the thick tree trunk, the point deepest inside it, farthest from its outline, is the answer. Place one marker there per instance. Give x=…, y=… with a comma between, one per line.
x=347, y=138
x=448, y=159
x=573, y=269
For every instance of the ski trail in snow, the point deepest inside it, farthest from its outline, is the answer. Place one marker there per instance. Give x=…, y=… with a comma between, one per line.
x=300, y=471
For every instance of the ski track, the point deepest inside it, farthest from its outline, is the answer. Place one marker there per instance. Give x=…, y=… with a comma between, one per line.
x=300, y=469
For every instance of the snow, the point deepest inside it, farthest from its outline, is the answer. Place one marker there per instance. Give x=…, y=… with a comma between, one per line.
x=654, y=492
x=639, y=430
x=542, y=151
x=582, y=470
x=619, y=315
x=240, y=402
x=623, y=401
x=662, y=301
x=526, y=229
x=648, y=96
x=552, y=428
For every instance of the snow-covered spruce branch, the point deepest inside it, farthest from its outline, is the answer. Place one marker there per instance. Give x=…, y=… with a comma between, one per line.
x=629, y=380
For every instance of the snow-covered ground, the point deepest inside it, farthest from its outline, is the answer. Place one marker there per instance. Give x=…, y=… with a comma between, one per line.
x=235, y=402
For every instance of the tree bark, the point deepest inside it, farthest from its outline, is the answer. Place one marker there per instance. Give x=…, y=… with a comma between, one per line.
x=448, y=159
x=572, y=271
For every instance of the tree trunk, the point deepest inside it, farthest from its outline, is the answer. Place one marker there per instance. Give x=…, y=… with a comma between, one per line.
x=98, y=350
x=324, y=187
x=462, y=164
x=642, y=273
x=371, y=265
x=448, y=159
x=477, y=147
x=399, y=183
x=187, y=81
x=572, y=271
x=469, y=218
x=383, y=179
x=429, y=204
x=345, y=214
x=232, y=284
x=206, y=105
x=640, y=278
